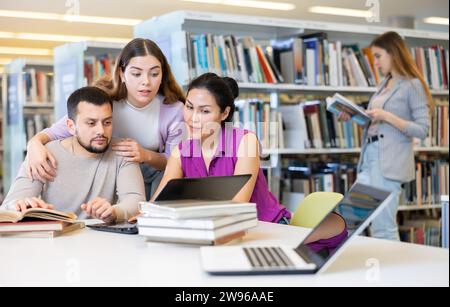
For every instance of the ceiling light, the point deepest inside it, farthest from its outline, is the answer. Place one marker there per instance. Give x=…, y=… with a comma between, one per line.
x=281, y=6
x=70, y=18
x=61, y=38
x=328, y=10
x=25, y=51
x=437, y=21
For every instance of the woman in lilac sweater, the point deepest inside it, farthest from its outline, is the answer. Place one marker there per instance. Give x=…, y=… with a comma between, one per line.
x=148, y=106
x=216, y=148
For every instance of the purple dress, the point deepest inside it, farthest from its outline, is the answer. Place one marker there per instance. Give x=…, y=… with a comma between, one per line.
x=223, y=164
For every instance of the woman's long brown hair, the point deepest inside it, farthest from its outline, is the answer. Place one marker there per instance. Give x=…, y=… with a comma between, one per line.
x=115, y=86
x=402, y=60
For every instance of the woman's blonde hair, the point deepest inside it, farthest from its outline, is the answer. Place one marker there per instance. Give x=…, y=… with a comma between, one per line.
x=402, y=60
x=115, y=86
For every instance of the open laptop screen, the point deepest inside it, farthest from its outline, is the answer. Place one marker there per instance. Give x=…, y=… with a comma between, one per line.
x=358, y=208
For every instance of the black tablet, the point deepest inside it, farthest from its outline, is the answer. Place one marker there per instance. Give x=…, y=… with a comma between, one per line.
x=220, y=188
x=125, y=228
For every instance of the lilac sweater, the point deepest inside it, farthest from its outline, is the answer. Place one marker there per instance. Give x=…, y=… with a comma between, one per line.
x=170, y=127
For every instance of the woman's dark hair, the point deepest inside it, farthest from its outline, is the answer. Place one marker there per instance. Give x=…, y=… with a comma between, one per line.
x=225, y=90
x=141, y=47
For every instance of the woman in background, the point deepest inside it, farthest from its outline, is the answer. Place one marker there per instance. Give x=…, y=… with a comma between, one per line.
x=400, y=112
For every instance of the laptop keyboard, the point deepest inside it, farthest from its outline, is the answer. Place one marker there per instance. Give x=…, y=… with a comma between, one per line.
x=267, y=257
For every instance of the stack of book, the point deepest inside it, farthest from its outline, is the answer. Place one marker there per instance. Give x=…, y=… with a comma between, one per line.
x=37, y=223
x=196, y=222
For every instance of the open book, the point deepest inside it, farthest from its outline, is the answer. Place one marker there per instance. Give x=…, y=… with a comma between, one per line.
x=36, y=213
x=339, y=103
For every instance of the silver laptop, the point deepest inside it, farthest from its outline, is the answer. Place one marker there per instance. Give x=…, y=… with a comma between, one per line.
x=358, y=208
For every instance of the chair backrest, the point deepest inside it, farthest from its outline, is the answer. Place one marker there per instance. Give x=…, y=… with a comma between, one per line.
x=314, y=208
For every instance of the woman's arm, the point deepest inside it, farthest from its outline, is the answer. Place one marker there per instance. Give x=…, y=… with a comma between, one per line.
x=333, y=225
x=173, y=171
x=248, y=163
x=41, y=164
x=417, y=100
x=133, y=152
x=387, y=117
x=156, y=160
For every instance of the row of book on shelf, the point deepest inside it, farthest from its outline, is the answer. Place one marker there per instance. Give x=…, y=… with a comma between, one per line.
x=35, y=123
x=97, y=66
x=425, y=231
x=432, y=181
x=439, y=126
x=39, y=87
x=310, y=59
x=308, y=125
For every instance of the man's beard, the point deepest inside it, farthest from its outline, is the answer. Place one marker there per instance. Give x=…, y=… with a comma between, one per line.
x=93, y=149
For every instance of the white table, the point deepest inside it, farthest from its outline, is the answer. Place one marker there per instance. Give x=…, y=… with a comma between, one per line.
x=91, y=258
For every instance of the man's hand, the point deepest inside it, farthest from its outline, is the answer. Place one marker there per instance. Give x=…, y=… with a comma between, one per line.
x=33, y=202
x=100, y=208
